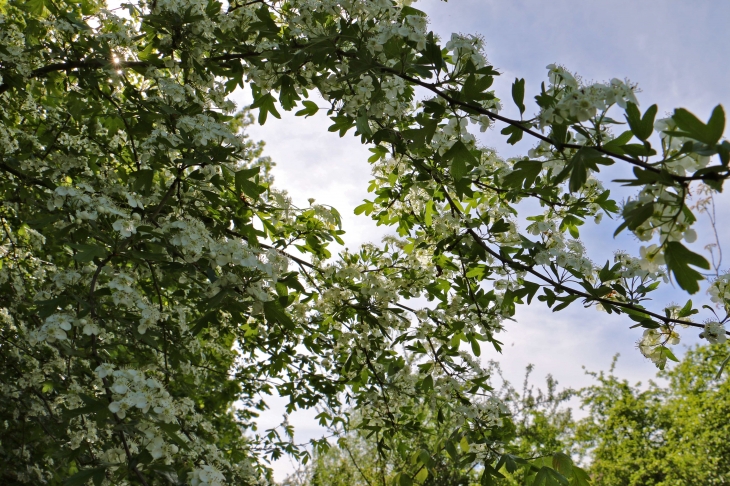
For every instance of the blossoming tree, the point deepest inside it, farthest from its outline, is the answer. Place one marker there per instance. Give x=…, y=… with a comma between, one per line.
x=155, y=285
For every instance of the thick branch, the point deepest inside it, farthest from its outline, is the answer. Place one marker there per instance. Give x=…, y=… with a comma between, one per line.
x=521, y=125
x=105, y=63
x=557, y=285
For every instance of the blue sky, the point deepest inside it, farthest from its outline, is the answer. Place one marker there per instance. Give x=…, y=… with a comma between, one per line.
x=677, y=51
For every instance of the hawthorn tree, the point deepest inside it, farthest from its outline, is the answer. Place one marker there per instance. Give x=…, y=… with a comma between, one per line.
x=538, y=429
x=660, y=434
x=156, y=286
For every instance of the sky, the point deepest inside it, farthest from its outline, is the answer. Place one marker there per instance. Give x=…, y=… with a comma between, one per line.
x=677, y=52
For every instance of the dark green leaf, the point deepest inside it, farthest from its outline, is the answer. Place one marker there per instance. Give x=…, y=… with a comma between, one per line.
x=518, y=94
x=275, y=312
x=563, y=464
x=87, y=252
x=266, y=104
x=34, y=7
x=678, y=259
x=500, y=226
x=687, y=310
x=310, y=108
x=95, y=407
x=523, y=174
x=405, y=480
x=642, y=127
x=585, y=159
x=515, y=134
x=341, y=124
x=451, y=449
x=427, y=384
x=82, y=477
x=580, y=477
x=461, y=160
x=710, y=133
x=475, y=348
x=619, y=141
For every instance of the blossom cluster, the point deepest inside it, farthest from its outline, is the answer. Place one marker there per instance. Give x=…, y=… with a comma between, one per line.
x=575, y=101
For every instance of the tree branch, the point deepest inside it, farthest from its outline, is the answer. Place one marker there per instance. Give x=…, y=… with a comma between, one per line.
x=520, y=125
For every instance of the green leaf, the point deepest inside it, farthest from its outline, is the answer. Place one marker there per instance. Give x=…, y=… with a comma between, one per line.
x=723, y=151
x=428, y=215
x=417, y=136
x=451, y=450
x=524, y=174
x=464, y=445
x=580, y=477
x=267, y=24
x=541, y=477
x=245, y=185
x=427, y=384
x=549, y=477
x=509, y=463
x=716, y=124
x=638, y=149
x=722, y=367
x=167, y=472
x=500, y=226
x=143, y=180
x=405, y=480
x=288, y=96
x=146, y=53
x=635, y=217
x=518, y=94
x=367, y=207
x=585, y=159
x=204, y=321
x=563, y=464
x=665, y=351
x=341, y=124
x=266, y=104
x=515, y=134
x=363, y=126
x=475, y=348
x=310, y=108
x=687, y=310
x=95, y=407
x=87, y=252
x=710, y=133
x=642, y=127
x=678, y=259
x=378, y=152
x=474, y=89
x=619, y=141
x=82, y=477
x=80, y=24
x=34, y=7
x=461, y=160
x=275, y=312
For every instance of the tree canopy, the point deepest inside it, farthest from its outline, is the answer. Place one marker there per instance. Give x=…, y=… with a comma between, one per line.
x=671, y=431
x=155, y=285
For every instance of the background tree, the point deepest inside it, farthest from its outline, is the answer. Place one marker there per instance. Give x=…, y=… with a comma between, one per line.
x=670, y=433
x=673, y=431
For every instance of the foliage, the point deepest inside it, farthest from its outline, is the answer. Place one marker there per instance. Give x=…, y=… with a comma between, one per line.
x=540, y=427
x=152, y=276
x=672, y=434
x=673, y=431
